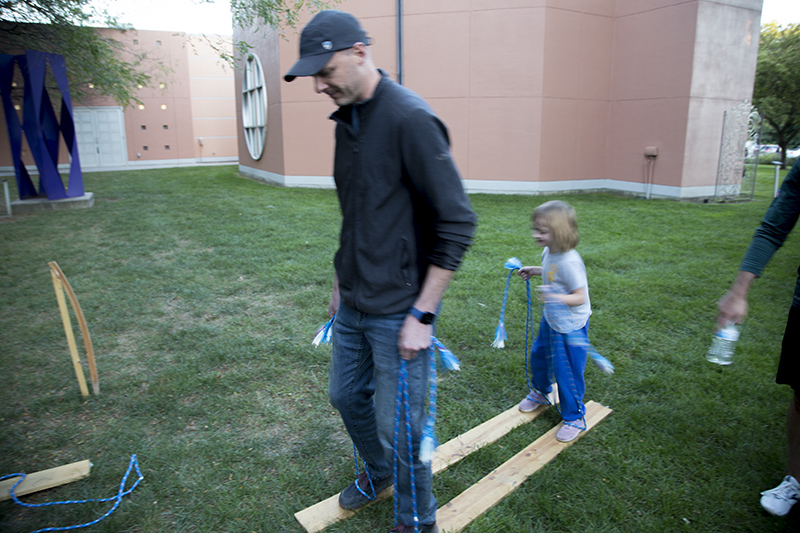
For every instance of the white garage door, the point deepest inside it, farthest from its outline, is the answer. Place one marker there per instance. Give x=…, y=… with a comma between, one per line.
x=101, y=136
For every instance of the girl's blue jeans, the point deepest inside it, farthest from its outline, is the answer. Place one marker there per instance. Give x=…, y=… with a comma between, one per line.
x=363, y=388
x=566, y=365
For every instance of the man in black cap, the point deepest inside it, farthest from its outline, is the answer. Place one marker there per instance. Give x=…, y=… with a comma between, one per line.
x=406, y=224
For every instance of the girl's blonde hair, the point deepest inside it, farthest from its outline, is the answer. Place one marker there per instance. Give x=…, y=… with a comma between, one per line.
x=561, y=218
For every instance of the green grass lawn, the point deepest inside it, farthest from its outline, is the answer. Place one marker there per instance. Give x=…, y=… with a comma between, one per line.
x=203, y=290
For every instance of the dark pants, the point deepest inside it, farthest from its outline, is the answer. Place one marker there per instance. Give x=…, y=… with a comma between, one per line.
x=789, y=364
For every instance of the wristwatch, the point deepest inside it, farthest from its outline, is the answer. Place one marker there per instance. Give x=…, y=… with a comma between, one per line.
x=424, y=318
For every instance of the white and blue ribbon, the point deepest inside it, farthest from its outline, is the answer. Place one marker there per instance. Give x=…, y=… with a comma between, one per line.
x=500, y=336
x=429, y=443
x=325, y=332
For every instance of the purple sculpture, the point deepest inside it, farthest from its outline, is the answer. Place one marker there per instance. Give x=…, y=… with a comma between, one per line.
x=40, y=125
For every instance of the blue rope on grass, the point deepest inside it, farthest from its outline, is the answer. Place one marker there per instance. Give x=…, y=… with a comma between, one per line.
x=369, y=478
x=132, y=465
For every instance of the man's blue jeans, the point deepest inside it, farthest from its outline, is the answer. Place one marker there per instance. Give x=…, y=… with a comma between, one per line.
x=363, y=388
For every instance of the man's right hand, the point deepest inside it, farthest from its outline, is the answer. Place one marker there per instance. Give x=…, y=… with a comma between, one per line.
x=333, y=306
x=733, y=306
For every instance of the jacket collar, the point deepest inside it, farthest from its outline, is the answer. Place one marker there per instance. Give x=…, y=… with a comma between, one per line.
x=344, y=114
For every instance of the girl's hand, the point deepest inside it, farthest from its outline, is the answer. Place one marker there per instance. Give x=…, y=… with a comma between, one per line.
x=527, y=273
x=547, y=294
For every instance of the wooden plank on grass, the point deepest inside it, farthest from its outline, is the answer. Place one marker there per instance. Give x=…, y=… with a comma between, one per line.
x=46, y=479
x=490, y=431
x=486, y=493
x=322, y=514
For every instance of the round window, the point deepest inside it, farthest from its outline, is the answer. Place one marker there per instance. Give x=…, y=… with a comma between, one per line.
x=254, y=107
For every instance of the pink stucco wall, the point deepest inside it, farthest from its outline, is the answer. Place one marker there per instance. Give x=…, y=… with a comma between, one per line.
x=197, y=123
x=541, y=95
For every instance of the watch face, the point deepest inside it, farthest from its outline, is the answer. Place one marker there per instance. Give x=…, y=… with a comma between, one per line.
x=424, y=318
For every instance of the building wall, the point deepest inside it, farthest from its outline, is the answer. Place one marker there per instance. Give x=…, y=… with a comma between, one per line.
x=541, y=95
x=272, y=161
x=186, y=115
x=213, y=104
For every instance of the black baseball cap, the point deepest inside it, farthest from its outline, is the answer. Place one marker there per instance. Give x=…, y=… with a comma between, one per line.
x=326, y=33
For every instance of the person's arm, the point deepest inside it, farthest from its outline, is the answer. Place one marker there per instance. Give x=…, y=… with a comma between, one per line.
x=527, y=273
x=333, y=306
x=444, y=210
x=434, y=179
x=733, y=305
x=775, y=227
x=414, y=335
x=573, y=299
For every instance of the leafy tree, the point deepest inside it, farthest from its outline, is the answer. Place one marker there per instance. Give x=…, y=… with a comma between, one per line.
x=274, y=13
x=280, y=14
x=62, y=27
x=776, y=93
x=65, y=27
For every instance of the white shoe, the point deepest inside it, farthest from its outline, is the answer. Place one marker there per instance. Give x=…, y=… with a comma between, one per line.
x=567, y=432
x=532, y=402
x=779, y=501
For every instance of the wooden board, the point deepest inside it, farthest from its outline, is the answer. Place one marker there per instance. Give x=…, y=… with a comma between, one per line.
x=322, y=514
x=46, y=479
x=486, y=493
x=490, y=431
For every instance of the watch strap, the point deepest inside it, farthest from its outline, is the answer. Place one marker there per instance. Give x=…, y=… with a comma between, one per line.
x=425, y=318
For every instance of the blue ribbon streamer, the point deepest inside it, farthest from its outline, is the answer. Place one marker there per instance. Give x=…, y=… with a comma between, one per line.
x=429, y=442
x=500, y=336
x=325, y=333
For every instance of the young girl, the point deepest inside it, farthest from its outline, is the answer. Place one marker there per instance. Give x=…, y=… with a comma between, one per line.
x=560, y=349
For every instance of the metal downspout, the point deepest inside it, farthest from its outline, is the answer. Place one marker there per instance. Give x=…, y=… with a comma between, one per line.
x=400, y=42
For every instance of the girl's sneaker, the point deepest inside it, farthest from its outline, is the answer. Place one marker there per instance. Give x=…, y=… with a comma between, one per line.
x=532, y=402
x=779, y=501
x=567, y=432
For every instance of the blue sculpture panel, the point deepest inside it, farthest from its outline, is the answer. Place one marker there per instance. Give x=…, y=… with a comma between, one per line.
x=40, y=125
